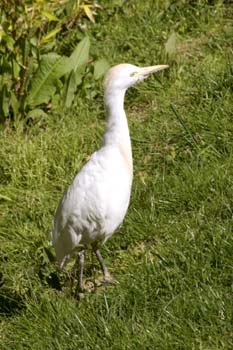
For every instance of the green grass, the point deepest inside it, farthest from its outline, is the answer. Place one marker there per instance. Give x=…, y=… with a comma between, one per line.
x=173, y=254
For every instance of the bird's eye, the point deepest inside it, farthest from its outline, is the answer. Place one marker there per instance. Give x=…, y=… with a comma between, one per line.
x=133, y=74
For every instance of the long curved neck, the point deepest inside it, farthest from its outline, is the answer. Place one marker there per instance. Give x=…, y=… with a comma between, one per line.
x=117, y=130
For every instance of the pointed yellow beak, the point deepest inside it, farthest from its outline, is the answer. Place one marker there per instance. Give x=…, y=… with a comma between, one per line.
x=145, y=71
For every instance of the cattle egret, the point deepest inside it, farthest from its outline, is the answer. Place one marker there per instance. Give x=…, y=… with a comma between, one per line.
x=96, y=202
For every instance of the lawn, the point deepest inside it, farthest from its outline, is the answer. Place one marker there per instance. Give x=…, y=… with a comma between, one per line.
x=173, y=254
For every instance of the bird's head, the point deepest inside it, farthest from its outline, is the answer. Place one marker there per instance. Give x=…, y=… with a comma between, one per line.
x=123, y=76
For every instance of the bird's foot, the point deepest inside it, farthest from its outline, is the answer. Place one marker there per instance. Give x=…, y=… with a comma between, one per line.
x=79, y=296
x=109, y=280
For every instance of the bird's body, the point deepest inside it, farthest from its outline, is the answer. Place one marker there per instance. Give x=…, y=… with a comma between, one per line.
x=96, y=202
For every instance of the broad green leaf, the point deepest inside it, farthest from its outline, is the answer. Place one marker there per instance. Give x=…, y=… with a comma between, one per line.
x=50, y=35
x=170, y=45
x=15, y=69
x=14, y=103
x=78, y=76
x=2, y=33
x=80, y=55
x=9, y=42
x=36, y=113
x=56, y=101
x=5, y=76
x=100, y=68
x=4, y=101
x=50, y=16
x=43, y=86
x=69, y=89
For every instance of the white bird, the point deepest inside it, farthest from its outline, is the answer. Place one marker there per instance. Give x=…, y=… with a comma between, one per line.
x=96, y=202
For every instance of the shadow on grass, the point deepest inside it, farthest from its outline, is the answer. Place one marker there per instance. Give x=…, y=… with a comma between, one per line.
x=10, y=304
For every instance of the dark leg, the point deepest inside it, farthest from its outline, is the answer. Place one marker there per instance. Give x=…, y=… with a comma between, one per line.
x=107, y=276
x=79, y=290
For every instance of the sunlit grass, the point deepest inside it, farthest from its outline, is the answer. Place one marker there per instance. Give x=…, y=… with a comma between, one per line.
x=173, y=254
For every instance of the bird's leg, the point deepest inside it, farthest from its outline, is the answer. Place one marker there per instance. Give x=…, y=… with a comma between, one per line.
x=107, y=276
x=79, y=290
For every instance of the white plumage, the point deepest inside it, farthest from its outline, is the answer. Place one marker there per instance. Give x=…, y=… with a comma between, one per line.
x=96, y=202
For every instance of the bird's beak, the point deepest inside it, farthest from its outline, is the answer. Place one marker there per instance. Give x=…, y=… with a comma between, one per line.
x=146, y=71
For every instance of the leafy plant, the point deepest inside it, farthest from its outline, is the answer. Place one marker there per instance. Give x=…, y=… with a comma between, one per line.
x=33, y=74
x=51, y=68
